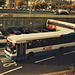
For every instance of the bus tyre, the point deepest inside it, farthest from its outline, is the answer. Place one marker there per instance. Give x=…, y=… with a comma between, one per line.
x=61, y=50
x=31, y=55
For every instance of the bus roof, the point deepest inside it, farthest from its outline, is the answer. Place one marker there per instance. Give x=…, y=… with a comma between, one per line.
x=34, y=36
x=72, y=25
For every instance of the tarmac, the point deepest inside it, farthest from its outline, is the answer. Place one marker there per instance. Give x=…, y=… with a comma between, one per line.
x=71, y=70
x=66, y=72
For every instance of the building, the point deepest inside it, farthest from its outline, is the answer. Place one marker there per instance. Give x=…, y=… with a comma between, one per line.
x=2, y=2
x=14, y=3
x=10, y=3
x=18, y=1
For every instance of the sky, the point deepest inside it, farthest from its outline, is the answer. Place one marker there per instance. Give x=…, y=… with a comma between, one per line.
x=73, y=0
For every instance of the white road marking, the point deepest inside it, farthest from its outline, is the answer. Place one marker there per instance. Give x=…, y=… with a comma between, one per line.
x=9, y=64
x=68, y=53
x=53, y=57
x=58, y=72
x=44, y=59
x=11, y=70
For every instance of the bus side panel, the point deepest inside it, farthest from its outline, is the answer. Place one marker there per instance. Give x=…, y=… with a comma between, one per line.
x=14, y=57
x=54, y=51
x=46, y=52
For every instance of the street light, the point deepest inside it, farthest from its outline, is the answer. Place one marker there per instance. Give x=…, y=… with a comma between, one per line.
x=30, y=7
x=70, y=1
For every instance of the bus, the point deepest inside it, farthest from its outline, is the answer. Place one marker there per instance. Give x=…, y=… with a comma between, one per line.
x=26, y=46
x=53, y=24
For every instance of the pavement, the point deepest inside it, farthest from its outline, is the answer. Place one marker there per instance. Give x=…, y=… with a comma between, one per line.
x=71, y=71
x=66, y=72
x=40, y=15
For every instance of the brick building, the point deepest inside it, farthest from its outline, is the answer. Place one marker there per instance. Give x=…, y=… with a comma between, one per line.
x=14, y=3
x=10, y=3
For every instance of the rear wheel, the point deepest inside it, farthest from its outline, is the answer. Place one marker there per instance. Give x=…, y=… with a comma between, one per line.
x=31, y=55
x=61, y=50
x=31, y=58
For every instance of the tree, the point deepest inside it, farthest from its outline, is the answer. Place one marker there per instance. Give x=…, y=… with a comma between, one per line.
x=69, y=7
x=73, y=5
x=64, y=6
x=36, y=5
x=43, y=5
x=2, y=2
x=53, y=5
x=21, y=4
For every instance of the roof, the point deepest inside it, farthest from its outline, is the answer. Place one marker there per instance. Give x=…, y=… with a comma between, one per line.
x=72, y=25
x=62, y=2
x=34, y=36
x=58, y=1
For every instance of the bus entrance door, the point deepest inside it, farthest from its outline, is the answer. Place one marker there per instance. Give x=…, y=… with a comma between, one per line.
x=21, y=51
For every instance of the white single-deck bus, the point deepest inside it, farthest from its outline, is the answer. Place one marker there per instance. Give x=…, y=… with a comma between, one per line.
x=37, y=44
x=53, y=24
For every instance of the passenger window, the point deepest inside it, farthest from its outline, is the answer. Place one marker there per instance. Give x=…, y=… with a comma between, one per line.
x=44, y=41
x=29, y=43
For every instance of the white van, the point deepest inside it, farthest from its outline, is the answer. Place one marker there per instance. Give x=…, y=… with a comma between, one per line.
x=62, y=12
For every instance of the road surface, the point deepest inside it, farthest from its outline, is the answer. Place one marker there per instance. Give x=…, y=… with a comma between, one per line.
x=48, y=64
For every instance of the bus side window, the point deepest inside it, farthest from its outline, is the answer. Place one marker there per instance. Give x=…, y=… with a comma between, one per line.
x=40, y=43
x=37, y=44
x=44, y=42
x=49, y=22
x=71, y=38
x=67, y=39
x=29, y=44
x=33, y=44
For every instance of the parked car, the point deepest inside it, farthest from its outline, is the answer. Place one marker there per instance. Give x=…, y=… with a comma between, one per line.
x=61, y=12
x=2, y=41
x=43, y=30
x=23, y=30
x=64, y=13
x=33, y=31
x=0, y=33
x=7, y=15
x=72, y=11
x=13, y=30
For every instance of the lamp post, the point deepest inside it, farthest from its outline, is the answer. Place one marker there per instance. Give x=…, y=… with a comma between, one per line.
x=30, y=7
x=70, y=1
